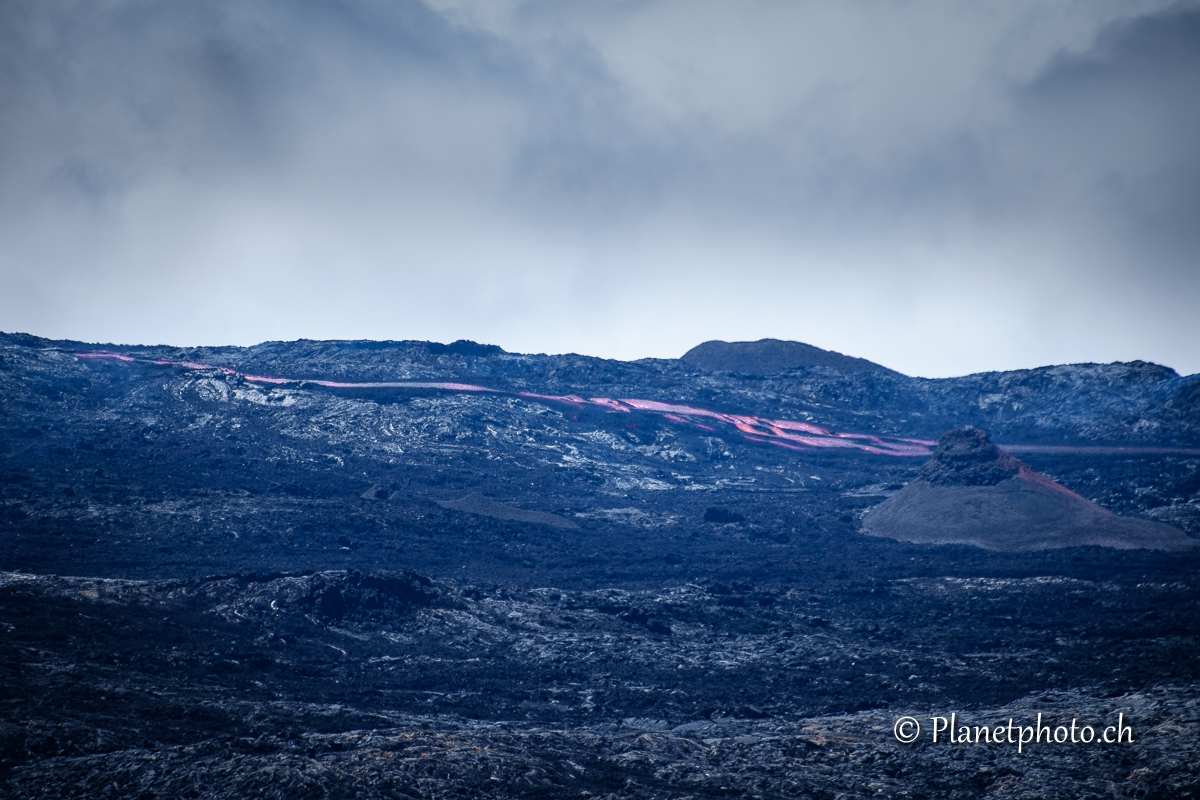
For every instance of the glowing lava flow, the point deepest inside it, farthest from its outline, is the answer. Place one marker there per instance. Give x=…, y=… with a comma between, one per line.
x=802, y=436
x=785, y=433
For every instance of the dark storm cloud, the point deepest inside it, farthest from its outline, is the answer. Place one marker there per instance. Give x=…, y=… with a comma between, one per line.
x=1118, y=120
x=154, y=141
x=1123, y=119
x=623, y=179
x=126, y=88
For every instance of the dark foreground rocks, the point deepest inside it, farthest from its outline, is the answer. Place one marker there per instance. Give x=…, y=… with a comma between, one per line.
x=408, y=687
x=843, y=756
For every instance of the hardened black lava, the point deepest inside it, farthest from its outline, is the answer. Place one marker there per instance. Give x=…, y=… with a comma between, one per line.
x=216, y=587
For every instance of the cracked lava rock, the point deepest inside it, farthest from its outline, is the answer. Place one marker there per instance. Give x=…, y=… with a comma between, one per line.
x=412, y=570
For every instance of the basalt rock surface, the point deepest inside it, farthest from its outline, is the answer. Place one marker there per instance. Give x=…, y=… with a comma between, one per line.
x=403, y=569
x=249, y=686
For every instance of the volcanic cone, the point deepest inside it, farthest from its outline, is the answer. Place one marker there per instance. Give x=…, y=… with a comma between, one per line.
x=972, y=492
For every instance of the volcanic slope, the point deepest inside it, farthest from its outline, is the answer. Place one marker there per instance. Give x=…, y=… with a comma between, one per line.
x=972, y=492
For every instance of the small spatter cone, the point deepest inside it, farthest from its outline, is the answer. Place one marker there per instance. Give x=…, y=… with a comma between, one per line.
x=967, y=457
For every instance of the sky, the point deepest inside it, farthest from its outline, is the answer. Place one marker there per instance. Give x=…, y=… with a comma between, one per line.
x=937, y=186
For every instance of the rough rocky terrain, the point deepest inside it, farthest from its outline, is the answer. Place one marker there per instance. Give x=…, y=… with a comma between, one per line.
x=402, y=569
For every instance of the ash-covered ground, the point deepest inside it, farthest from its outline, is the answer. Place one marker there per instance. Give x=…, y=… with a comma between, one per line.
x=217, y=586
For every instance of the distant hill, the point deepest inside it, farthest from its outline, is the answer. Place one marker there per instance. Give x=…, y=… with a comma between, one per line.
x=772, y=356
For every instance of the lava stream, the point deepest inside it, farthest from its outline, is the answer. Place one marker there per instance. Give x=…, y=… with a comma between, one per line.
x=790, y=434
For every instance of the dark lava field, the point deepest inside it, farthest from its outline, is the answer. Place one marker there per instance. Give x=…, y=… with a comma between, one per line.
x=413, y=570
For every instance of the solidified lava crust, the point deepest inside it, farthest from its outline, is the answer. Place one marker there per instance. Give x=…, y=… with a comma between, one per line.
x=216, y=588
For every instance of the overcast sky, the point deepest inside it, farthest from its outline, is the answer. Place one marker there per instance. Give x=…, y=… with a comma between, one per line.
x=941, y=187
